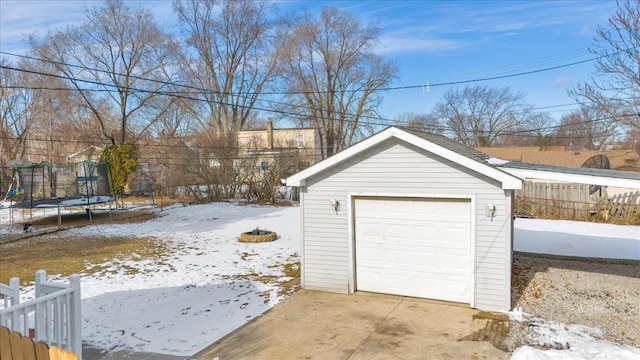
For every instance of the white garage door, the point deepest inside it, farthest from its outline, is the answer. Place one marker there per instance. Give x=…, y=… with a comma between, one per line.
x=414, y=247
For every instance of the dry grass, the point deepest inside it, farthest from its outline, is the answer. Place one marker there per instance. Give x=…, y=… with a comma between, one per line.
x=67, y=255
x=61, y=254
x=290, y=268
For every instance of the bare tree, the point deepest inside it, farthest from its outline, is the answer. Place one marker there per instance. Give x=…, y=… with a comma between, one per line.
x=615, y=83
x=333, y=77
x=261, y=169
x=421, y=122
x=118, y=56
x=214, y=168
x=587, y=128
x=60, y=123
x=632, y=140
x=480, y=115
x=14, y=120
x=176, y=122
x=536, y=129
x=233, y=46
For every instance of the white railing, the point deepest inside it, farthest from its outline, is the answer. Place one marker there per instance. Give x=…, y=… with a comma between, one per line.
x=10, y=293
x=53, y=317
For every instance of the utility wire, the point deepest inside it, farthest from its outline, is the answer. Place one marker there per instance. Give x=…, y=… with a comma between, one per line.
x=248, y=94
x=385, y=122
x=447, y=83
x=182, y=95
x=523, y=133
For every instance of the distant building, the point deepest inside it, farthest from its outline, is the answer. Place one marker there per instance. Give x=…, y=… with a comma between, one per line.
x=269, y=143
x=623, y=160
x=91, y=154
x=626, y=160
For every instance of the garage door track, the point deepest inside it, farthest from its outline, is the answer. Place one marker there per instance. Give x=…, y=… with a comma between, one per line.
x=319, y=325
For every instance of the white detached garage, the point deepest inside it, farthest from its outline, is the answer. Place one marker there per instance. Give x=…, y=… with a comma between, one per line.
x=410, y=214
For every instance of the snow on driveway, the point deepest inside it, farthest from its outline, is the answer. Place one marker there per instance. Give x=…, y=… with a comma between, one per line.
x=582, y=239
x=569, y=342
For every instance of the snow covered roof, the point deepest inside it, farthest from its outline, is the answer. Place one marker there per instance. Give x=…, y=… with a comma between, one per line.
x=436, y=144
x=579, y=175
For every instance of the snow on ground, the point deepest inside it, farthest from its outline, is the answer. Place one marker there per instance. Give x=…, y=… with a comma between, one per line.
x=568, y=342
x=211, y=283
x=577, y=238
x=209, y=286
x=194, y=298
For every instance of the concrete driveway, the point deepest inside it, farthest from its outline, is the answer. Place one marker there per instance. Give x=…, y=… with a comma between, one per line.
x=319, y=325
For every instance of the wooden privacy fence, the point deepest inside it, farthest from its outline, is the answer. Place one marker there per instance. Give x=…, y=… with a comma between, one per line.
x=573, y=202
x=53, y=317
x=553, y=201
x=14, y=346
x=625, y=207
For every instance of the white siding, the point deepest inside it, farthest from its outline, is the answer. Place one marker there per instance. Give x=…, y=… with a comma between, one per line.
x=395, y=167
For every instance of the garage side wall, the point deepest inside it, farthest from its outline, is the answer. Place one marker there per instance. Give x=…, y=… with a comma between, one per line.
x=396, y=167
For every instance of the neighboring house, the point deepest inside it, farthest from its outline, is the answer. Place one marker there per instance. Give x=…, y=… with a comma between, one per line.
x=269, y=143
x=410, y=214
x=164, y=164
x=420, y=215
x=91, y=154
x=564, y=174
x=626, y=160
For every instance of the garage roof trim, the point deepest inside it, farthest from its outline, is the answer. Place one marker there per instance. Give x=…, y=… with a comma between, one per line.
x=436, y=144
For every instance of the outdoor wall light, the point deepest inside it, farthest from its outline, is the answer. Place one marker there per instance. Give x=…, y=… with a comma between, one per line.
x=491, y=210
x=335, y=205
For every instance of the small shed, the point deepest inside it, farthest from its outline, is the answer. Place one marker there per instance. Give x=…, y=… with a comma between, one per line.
x=410, y=214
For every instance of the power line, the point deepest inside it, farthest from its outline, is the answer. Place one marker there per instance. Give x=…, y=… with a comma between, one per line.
x=447, y=83
x=181, y=94
x=569, y=125
x=248, y=94
x=146, y=143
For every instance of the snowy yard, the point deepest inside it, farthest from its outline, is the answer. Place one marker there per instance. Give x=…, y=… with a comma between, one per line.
x=211, y=284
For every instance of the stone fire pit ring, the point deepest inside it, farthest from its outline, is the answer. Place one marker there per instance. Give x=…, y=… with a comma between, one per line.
x=257, y=236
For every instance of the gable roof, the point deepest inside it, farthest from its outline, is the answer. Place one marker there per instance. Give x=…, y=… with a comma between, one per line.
x=436, y=144
x=91, y=151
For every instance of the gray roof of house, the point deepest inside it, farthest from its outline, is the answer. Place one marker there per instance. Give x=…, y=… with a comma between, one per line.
x=630, y=175
x=452, y=145
x=484, y=158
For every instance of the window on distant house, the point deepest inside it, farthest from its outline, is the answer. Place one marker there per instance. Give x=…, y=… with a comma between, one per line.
x=264, y=165
x=300, y=141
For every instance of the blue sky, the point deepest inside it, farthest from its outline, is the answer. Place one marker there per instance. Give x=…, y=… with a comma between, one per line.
x=432, y=41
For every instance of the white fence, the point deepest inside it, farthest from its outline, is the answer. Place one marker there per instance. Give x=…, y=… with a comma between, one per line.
x=53, y=317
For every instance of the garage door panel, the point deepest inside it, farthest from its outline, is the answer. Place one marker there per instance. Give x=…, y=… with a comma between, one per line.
x=414, y=247
x=451, y=262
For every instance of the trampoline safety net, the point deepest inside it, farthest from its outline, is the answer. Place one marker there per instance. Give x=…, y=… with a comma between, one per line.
x=52, y=184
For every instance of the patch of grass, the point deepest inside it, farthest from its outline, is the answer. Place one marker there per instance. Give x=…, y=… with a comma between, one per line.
x=245, y=255
x=292, y=269
x=68, y=255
